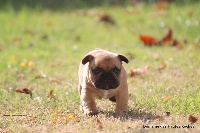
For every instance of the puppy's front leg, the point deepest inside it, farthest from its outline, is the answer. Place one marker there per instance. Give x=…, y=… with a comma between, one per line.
x=88, y=103
x=121, y=102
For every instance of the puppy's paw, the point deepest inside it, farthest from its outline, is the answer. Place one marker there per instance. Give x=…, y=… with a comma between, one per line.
x=91, y=112
x=121, y=111
x=122, y=114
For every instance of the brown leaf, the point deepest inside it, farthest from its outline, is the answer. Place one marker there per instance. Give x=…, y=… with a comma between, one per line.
x=98, y=124
x=167, y=38
x=19, y=91
x=176, y=43
x=161, y=5
x=162, y=66
x=56, y=81
x=147, y=40
x=158, y=117
x=138, y=71
x=56, y=112
x=51, y=95
x=107, y=19
x=192, y=119
x=25, y=90
x=54, y=121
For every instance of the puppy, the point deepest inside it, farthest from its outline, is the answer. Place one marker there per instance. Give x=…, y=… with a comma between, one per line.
x=101, y=75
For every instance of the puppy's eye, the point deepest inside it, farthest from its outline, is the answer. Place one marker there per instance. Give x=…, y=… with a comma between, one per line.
x=96, y=71
x=116, y=70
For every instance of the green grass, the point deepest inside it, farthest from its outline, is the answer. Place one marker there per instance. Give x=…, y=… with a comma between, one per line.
x=56, y=41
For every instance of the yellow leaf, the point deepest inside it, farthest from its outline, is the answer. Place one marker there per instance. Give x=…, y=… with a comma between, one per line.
x=23, y=64
x=13, y=59
x=166, y=98
x=30, y=63
x=56, y=112
x=27, y=63
x=65, y=120
x=72, y=115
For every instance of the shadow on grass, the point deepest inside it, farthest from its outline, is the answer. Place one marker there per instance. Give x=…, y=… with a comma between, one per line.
x=132, y=115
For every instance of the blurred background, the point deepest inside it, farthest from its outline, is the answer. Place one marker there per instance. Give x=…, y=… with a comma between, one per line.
x=69, y=4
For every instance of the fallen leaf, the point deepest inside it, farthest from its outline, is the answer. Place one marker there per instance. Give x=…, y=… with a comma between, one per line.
x=23, y=64
x=77, y=120
x=51, y=95
x=107, y=19
x=27, y=63
x=161, y=5
x=56, y=112
x=13, y=59
x=166, y=98
x=176, y=43
x=192, y=119
x=166, y=39
x=56, y=81
x=19, y=91
x=147, y=40
x=159, y=117
x=72, y=115
x=162, y=66
x=25, y=90
x=54, y=121
x=138, y=71
x=30, y=63
x=98, y=124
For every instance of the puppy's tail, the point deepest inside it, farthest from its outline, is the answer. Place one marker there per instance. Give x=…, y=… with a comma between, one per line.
x=112, y=99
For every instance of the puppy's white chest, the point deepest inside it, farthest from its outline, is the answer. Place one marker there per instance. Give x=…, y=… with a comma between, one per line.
x=106, y=93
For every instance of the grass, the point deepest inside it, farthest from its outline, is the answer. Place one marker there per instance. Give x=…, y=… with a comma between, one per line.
x=41, y=50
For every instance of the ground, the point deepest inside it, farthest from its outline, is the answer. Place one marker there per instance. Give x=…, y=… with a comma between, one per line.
x=41, y=50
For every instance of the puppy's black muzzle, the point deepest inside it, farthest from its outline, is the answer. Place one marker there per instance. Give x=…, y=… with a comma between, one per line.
x=106, y=81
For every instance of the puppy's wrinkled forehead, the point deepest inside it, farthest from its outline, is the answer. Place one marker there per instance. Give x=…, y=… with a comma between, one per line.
x=107, y=61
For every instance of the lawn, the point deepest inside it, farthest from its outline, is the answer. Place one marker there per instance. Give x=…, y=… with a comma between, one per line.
x=41, y=50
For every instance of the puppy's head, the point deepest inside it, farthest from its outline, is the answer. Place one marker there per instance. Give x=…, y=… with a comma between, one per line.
x=105, y=69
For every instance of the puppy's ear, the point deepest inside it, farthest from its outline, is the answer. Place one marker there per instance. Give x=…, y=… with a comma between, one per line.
x=122, y=58
x=87, y=58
